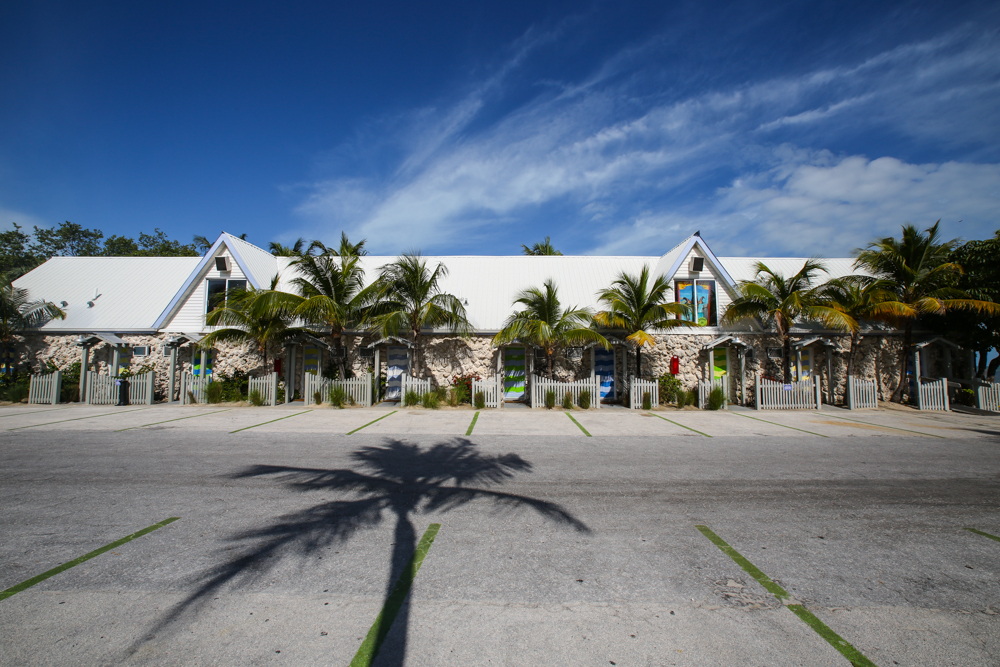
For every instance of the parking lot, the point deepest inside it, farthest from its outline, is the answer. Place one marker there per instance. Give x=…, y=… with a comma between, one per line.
x=604, y=537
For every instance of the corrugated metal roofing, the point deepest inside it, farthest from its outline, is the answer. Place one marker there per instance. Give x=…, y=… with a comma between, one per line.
x=133, y=290
x=259, y=265
x=744, y=268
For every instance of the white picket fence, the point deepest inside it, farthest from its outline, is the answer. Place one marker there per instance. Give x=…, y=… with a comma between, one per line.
x=359, y=388
x=988, y=397
x=492, y=388
x=267, y=387
x=104, y=389
x=540, y=386
x=193, y=385
x=409, y=383
x=638, y=387
x=706, y=387
x=44, y=388
x=933, y=395
x=861, y=394
x=801, y=395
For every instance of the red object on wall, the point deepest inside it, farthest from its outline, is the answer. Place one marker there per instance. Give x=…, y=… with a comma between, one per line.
x=675, y=365
x=277, y=366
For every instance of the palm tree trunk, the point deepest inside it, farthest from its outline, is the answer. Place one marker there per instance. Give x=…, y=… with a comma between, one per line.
x=638, y=361
x=548, y=356
x=904, y=355
x=338, y=348
x=786, y=357
x=855, y=339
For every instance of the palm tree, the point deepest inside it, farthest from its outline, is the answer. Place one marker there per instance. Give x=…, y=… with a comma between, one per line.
x=917, y=269
x=543, y=248
x=19, y=312
x=294, y=250
x=859, y=298
x=248, y=316
x=410, y=298
x=780, y=302
x=544, y=323
x=633, y=306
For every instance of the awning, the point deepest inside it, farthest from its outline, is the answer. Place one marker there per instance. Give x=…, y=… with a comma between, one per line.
x=938, y=339
x=390, y=339
x=798, y=345
x=110, y=338
x=731, y=341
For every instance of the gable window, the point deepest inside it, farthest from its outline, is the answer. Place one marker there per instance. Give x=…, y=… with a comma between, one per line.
x=217, y=288
x=699, y=295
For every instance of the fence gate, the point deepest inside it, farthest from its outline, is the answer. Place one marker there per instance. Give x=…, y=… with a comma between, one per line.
x=706, y=387
x=933, y=395
x=541, y=386
x=45, y=387
x=988, y=397
x=638, y=387
x=861, y=394
x=802, y=395
x=359, y=389
x=492, y=388
x=193, y=387
x=267, y=387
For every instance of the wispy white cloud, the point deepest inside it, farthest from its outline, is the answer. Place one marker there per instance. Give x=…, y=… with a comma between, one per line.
x=9, y=216
x=617, y=167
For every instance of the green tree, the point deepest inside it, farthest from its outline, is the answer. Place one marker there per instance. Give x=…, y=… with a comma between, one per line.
x=410, y=299
x=779, y=302
x=917, y=268
x=17, y=256
x=68, y=239
x=543, y=248
x=633, y=306
x=980, y=279
x=19, y=312
x=544, y=323
x=156, y=244
x=248, y=316
x=295, y=250
x=859, y=299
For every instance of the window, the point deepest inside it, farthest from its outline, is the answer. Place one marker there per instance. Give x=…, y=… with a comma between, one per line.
x=700, y=296
x=217, y=289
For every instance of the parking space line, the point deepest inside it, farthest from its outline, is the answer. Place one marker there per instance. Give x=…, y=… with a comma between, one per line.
x=855, y=656
x=82, y=559
x=802, y=430
x=580, y=425
x=473, y=424
x=173, y=420
x=271, y=421
x=62, y=421
x=383, y=622
x=894, y=428
x=979, y=532
x=681, y=425
x=371, y=422
x=33, y=412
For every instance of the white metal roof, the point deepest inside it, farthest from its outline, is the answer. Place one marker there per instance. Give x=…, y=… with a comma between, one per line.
x=130, y=291
x=744, y=268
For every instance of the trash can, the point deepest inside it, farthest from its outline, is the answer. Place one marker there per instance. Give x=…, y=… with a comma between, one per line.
x=123, y=385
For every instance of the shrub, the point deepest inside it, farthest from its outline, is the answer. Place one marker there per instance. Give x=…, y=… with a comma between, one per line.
x=694, y=399
x=585, y=399
x=670, y=386
x=461, y=393
x=716, y=399
x=965, y=397
x=682, y=398
x=318, y=397
x=337, y=396
x=568, y=401
x=234, y=386
x=280, y=398
x=465, y=381
x=441, y=393
x=480, y=400
x=431, y=400
x=647, y=401
x=255, y=398
x=18, y=392
x=550, y=399
x=213, y=392
x=411, y=398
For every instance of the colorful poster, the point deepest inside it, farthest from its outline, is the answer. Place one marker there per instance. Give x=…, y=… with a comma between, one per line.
x=513, y=373
x=684, y=293
x=310, y=356
x=705, y=302
x=398, y=364
x=720, y=361
x=604, y=369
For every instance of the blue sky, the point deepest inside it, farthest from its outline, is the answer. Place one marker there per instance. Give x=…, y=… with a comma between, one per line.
x=786, y=129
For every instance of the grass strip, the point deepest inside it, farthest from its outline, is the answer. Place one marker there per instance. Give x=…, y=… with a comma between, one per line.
x=383, y=622
x=801, y=430
x=681, y=425
x=62, y=421
x=271, y=421
x=853, y=655
x=97, y=552
x=172, y=420
x=894, y=428
x=32, y=412
x=580, y=425
x=371, y=422
x=979, y=532
x=473, y=424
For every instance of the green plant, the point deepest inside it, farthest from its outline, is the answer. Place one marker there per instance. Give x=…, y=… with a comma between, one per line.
x=568, y=401
x=431, y=400
x=716, y=399
x=670, y=385
x=318, y=397
x=647, y=401
x=411, y=398
x=693, y=399
x=441, y=393
x=18, y=392
x=280, y=398
x=460, y=394
x=256, y=398
x=213, y=392
x=337, y=396
x=192, y=399
x=585, y=399
x=965, y=397
x=550, y=399
x=465, y=383
x=681, y=397
x=480, y=400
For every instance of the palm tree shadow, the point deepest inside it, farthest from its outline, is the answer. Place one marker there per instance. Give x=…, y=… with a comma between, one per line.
x=395, y=480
